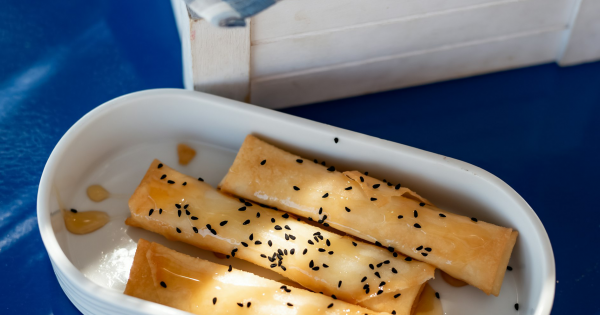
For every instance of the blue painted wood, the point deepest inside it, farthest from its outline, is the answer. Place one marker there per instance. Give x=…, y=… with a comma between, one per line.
x=537, y=128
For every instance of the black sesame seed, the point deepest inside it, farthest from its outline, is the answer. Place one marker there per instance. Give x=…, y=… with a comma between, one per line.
x=263, y=162
x=160, y=211
x=150, y=212
x=163, y=176
x=244, y=244
x=270, y=243
x=326, y=195
x=377, y=243
x=394, y=270
x=384, y=180
x=240, y=305
x=323, y=163
x=354, y=243
x=336, y=140
x=330, y=305
x=394, y=312
x=379, y=265
x=290, y=304
x=322, y=250
x=428, y=249
x=258, y=214
x=371, y=266
x=273, y=265
x=366, y=173
x=287, y=237
x=333, y=296
x=397, y=295
x=367, y=290
x=178, y=206
x=377, y=274
x=348, y=188
x=376, y=186
x=272, y=220
x=163, y=284
x=398, y=186
x=424, y=254
x=400, y=216
x=315, y=160
x=311, y=264
x=184, y=183
x=285, y=215
x=347, y=209
x=321, y=210
x=248, y=304
x=331, y=168
x=415, y=213
x=408, y=259
x=517, y=306
x=283, y=267
x=417, y=225
x=214, y=300
x=316, y=268
x=509, y=268
x=325, y=266
x=208, y=226
x=278, y=228
x=292, y=237
x=247, y=204
x=299, y=161
x=179, y=213
x=420, y=247
x=195, y=229
x=437, y=295
x=287, y=227
x=474, y=219
x=263, y=255
x=340, y=284
x=382, y=283
x=170, y=182
x=160, y=165
x=221, y=224
x=178, y=230
x=257, y=243
x=304, y=251
x=362, y=180
x=373, y=199
x=292, y=251
x=242, y=209
x=201, y=179
x=442, y=215
x=213, y=231
x=246, y=222
x=186, y=206
x=242, y=200
x=390, y=249
x=230, y=268
x=390, y=184
x=379, y=292
x=311, y=242
x=187, y=212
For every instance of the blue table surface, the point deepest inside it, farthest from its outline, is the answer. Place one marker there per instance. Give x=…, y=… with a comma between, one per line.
x=536, y=128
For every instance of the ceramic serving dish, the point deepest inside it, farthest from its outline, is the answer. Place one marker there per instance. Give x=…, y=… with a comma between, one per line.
x=114, y=144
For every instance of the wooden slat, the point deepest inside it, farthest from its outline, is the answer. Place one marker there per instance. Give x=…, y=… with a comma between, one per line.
x=408, y=70
x=356, y=44
x=583, y=43
x=220, y=59
x=293, y=17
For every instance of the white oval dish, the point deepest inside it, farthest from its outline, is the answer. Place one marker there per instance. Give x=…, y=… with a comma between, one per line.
x=113, y=145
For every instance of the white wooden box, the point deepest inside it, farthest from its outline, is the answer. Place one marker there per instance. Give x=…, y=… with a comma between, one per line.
x=306, y=51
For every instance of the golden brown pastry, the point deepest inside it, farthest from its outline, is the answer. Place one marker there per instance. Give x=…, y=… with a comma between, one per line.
x=395, y=217
x=189, y=210
x=198, y=286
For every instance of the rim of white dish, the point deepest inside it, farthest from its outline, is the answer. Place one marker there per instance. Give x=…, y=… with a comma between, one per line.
x=90, y=291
